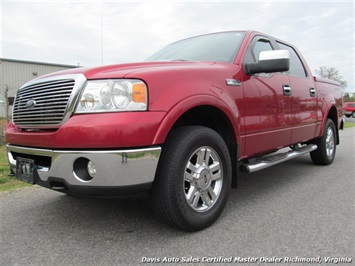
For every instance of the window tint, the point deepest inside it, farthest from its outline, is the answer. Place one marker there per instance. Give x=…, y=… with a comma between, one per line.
x=296, y=66
x=261, y=46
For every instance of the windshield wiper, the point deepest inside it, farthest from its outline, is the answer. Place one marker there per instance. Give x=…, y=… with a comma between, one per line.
x=179, y=60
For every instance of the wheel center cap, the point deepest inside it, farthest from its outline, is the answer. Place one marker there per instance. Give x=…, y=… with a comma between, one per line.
x=204, y=180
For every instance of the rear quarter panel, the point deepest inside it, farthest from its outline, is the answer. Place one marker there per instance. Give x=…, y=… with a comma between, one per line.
x=329, y=97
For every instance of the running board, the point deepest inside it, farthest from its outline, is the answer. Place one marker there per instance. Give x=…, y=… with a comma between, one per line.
x=260, y=163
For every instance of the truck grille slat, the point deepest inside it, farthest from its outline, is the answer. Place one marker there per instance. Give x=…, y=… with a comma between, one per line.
x=47, y=94
x=39, y=113
x=42, y=104
x=38, y=99
x=44, y=108
x=47, y=89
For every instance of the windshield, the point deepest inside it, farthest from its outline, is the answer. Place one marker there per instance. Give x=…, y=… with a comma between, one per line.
x=217, y=47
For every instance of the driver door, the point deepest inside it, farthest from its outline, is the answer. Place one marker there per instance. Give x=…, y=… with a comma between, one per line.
x=266, y=107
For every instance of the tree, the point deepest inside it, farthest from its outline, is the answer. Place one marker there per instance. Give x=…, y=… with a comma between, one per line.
x=348, y=97
x=333, y=74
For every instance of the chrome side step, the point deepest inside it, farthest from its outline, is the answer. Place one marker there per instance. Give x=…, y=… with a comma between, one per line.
x=263, y=162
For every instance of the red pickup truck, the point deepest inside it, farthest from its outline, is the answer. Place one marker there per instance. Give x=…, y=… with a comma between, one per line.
x=349, y=109
x=180, y=125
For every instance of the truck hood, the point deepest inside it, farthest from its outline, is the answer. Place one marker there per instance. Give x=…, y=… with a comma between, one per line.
x=124, y=70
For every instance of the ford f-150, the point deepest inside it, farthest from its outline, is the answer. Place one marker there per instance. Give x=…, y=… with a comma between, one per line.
x=180, y=125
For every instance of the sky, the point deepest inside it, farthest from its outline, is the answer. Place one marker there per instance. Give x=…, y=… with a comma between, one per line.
x=92, y=33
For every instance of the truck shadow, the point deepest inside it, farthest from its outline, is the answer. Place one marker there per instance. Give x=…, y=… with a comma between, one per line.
x=109, y=224
x=127, y=228
x=132, y=215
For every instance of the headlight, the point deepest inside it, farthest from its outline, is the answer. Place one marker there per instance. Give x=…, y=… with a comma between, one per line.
x=113, y=96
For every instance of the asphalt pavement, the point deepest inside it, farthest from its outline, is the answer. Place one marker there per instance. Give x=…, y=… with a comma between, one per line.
x=295, y=213
x=349, y=120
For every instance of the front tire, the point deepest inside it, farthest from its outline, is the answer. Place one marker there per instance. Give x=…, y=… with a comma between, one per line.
x=193, y=178
x=325, y=152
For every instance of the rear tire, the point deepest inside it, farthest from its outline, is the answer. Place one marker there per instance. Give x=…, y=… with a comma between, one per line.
x=325, y=152
x=193, y=178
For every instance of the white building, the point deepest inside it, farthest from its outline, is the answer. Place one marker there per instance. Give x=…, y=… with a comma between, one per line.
x=15, y=73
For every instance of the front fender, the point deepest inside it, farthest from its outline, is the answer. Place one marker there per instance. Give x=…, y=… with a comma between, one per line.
x=226, y=105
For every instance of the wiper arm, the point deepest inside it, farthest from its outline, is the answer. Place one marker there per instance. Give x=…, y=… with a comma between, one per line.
x=179, y=60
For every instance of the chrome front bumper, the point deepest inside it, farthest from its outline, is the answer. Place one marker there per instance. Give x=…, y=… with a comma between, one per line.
x=113, y=168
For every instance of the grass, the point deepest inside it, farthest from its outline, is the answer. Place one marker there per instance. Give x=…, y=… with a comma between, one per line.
x=4, y=168
x=8, y=183
x=348, y=125
x=3, y=123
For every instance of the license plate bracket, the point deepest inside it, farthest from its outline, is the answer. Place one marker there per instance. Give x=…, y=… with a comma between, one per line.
x=25, y=170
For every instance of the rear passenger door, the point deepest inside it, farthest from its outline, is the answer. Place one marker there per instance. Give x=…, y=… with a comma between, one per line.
x=303, y=95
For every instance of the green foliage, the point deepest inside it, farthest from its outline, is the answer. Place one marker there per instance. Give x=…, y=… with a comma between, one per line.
x=4, y=167
x=348, y=125
x=349, y=97
x=3, y=123
x=7, y=182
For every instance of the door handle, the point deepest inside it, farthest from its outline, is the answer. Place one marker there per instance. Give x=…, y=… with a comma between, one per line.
x=312, y=92
x=287, y=90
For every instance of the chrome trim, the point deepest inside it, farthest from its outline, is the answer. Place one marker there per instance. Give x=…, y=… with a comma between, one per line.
x=203, y=179
x=268, y=161
x=330, y=143
x=80, y=81
x=114, y=168
x=274, y=54
x=233, y=82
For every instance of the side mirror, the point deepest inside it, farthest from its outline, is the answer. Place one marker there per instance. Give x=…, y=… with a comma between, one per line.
x=270, y=62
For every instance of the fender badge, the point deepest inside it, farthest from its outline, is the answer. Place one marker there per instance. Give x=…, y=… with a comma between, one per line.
x=232, y=82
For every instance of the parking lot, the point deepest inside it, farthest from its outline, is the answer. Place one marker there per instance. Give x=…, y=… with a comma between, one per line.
x=349, y=119
x=291, y=213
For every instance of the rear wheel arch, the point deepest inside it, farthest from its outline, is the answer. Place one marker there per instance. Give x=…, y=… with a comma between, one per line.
x=325, y=153
x=333, y=115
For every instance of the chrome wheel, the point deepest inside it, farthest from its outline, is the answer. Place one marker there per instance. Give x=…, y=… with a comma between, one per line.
x=203, y=179
x=329, y=143
x=193, y=179
x=325, y=153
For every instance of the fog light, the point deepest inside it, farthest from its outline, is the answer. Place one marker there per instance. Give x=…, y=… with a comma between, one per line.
x=84, y=169
x=91, y=169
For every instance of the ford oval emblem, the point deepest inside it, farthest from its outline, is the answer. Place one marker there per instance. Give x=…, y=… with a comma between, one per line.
x=30, y=104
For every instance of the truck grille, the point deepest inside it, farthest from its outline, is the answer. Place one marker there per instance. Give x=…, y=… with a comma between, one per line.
x=43, y=103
